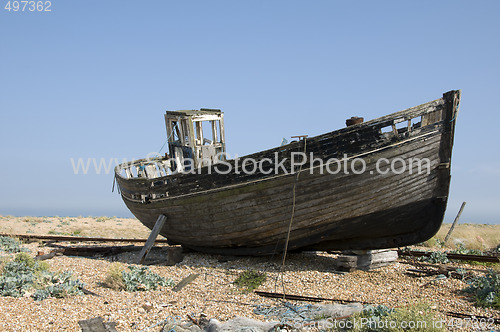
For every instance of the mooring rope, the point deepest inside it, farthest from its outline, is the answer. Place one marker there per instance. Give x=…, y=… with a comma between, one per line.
x=282, y=270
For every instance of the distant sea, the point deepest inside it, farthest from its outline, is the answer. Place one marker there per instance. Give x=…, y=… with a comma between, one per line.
x=125, y=213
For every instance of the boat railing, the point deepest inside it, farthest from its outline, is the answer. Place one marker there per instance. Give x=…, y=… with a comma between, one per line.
x=150, y=168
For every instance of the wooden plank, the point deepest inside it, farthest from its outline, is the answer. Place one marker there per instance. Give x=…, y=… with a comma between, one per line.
x=394, y=130
x=199, y=132
x=152, y=238
x=216, y=207
x=320, y=187
x=221, y=131
x=198, y=182
x=214, y=131
x=454, y=222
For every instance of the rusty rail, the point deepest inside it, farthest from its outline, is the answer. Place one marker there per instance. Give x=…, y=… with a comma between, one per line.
x=304, y=298
x=75, y=238
x=460, y=257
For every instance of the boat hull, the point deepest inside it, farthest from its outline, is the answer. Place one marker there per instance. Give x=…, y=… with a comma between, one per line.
x=329, y=206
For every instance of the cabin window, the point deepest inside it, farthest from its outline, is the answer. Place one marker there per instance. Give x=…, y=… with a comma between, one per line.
x=176, y=133
x=416, y=122
x=386, y=129
x=133, y=170
x=207, y=132
x=402, y=126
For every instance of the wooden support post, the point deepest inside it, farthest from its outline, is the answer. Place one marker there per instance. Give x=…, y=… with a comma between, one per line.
x=454, y=223
x=152, y=237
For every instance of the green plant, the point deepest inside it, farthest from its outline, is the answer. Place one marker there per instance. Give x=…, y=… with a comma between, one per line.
x=485, y=289
x=10, y=245
x=440, y=243
x=250, y=280
x=26, y=259
x=142, y=279
x=435, y=257
x=41, y=266
x=460, y=249
x=53, y=232
x=417, y=317
x=114, y=277
x=24, y=274
x=32, y=222
x=58, y=286
x=63, y=285
x=15, y=279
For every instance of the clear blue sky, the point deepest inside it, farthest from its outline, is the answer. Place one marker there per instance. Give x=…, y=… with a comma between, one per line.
x=92, y=79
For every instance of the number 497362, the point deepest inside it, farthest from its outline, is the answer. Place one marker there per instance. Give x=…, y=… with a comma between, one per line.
x=32, y=6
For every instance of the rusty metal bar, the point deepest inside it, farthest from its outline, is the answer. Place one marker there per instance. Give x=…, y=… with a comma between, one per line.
x=303, y=298
x=460, y=257
x=75, y=238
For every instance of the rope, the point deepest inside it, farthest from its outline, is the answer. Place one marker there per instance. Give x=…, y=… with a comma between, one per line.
x=456, y=111
x=290, y=224
x=163, y=145
x=173, y=128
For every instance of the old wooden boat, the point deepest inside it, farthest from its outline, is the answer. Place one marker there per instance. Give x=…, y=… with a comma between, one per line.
x=324, y=200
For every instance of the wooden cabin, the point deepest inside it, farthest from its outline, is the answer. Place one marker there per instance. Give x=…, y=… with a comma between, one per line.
x=195, y=138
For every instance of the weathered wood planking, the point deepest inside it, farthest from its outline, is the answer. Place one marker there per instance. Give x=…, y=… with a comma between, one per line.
x=249, y=213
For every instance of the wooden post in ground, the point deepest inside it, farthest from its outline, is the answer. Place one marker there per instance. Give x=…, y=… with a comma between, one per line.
x=454, y=223
x=152, y=238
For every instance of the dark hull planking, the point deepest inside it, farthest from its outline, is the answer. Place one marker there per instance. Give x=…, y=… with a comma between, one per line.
x=240, y=214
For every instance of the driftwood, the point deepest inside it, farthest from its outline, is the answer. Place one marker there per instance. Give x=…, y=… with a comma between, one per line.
x=46, y=256
x=184, y=282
